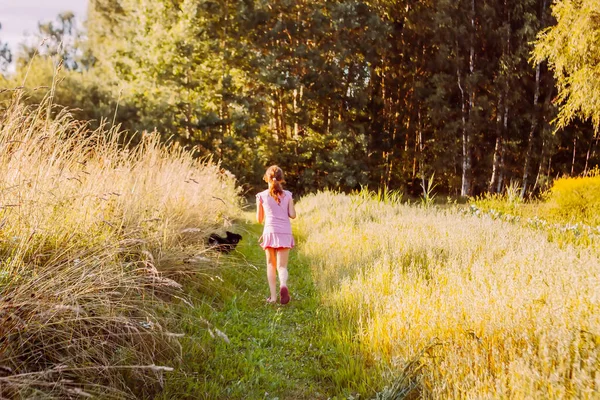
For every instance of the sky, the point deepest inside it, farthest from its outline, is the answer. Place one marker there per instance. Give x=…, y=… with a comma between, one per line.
x=20, y=17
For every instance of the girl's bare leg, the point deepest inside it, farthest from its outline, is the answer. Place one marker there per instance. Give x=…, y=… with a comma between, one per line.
x=272, y=272
x=282, y=262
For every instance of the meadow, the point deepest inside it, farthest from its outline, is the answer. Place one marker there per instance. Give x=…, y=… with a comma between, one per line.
x=457, y=305
x=92, y=242
x=108, y=289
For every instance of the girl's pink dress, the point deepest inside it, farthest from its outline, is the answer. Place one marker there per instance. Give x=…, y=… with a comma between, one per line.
x=277, y=232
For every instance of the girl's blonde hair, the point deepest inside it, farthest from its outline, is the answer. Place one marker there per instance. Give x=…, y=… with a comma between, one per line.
x=274, y=177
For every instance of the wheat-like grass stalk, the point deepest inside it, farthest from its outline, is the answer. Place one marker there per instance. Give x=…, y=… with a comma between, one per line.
x=512, y=314
x=85, y=221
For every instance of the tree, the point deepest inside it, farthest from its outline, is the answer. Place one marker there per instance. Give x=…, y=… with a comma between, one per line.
x=341, y=94
x=571, y=49
x=175, y=63
x=5, y=56
x=59, y=40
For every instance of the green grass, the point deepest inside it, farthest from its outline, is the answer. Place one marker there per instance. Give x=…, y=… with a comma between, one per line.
x=297, y=351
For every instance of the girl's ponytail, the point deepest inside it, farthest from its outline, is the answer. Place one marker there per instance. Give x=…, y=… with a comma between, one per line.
x=274, y=177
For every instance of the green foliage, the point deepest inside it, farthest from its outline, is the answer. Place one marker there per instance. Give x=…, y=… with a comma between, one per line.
x=571, y=49
x=567, y=214
x=341, y=94
x=172, y=63
x=428, y=196
x=495, y=203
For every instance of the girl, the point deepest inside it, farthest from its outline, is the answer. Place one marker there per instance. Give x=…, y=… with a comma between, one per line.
x=275, y=207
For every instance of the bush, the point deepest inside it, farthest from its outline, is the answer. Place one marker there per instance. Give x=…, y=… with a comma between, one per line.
x=576, y=199
x=508, y=202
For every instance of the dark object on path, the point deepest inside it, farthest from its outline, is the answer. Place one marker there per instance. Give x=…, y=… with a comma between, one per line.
x=224, y=244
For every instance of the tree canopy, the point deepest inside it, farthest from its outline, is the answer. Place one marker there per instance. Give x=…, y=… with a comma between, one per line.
x=340, y=93
x=572, y=51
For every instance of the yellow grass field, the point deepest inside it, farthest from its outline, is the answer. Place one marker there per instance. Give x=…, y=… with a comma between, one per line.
x=85, y=221
x=458, y=306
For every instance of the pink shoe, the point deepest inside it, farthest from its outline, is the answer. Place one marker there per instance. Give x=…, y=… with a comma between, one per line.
x=284, y=295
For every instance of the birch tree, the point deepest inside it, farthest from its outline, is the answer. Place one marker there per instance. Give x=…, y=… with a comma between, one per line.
x=572, y=51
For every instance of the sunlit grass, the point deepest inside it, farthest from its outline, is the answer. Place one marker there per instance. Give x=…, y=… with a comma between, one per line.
x=298, y=351
x=568, y=213
x=86, y=224
x=458, y=306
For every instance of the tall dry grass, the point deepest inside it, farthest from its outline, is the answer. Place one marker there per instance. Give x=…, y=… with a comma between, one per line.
x=84, y=222
x=458, y=306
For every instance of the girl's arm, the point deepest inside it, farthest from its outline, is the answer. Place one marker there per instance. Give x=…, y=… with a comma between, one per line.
x=260, y=212
x=291, y=209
